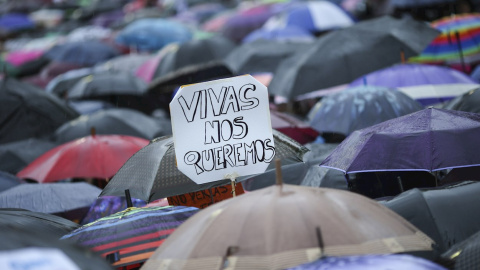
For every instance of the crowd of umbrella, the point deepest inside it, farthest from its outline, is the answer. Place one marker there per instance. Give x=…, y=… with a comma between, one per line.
x=374, y=122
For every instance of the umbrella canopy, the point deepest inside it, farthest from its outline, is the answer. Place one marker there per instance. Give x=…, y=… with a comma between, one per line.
x=22, y=247
x=152, y=173
x=464, y=255
x=89, y=106
x=260, y=230
x=192, y=53
x=152, y=34
x=428, y=140
x=459, y=40
x=36, y=222
x=26, y=111
x=111, y=121
x=55, y=198
x=427, y=84
x=96, y=156
x=19, y=57
x=64, y=82
x=107, y=84
x=15, y=156
x=13, y=22
x=261, y=55
x=359, y=107
x=123, y=63
x=292, y=127
x=287, y=33
x=8, y=181
x=468, y=102
x=109, y=205
x=86, y=53
x=313, y=16
x=370, y=262
x=444, y=213
x=306, y=173
x=131, y=236
x=341, y=56
x=49, y=72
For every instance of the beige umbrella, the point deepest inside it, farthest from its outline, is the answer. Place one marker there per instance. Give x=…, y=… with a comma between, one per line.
x=282, y=226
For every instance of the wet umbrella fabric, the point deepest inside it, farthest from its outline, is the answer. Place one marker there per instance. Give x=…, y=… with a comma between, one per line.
x=89, y=106
x=306, y=173
x=468, y=102
x=427, y=84
x=64, y=82
x=261, y=55
x=123, y=63
x=192, y=53
x=108, y=205
x=55, y=198
x=359, y=107
x=15, y=22
x=96, y=156
x=152, y=172
x=18, y=239
x=244, y=231
x=15, y=156
x=86, y=53
x=428, y=140
x=152, y=34
x=36, y=222
x=132, y=235
x=26, y=111
x=341, y=56
x=371, y=262
x=464, y=255
x=8, y=181
x=444, y=213
x=119, y=121
x=289, y=33
x=293, y=127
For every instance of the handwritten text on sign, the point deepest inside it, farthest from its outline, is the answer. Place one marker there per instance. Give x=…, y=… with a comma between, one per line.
x=222, y=127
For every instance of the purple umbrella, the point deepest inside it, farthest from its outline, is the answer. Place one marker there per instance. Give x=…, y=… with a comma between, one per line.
x=371, y=262
x=428, y=140
x=427, y=84
x=15, y=21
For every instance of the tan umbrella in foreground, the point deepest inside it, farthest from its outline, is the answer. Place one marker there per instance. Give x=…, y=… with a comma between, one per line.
x=282, y=226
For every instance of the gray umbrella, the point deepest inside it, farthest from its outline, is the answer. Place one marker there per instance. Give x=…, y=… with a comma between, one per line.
x=15, y=156
x=124, y=63
x=446, y=214
x=261, y=55
x=151, y=173
x=112, y=121
x=306, y=173
x=341, y=56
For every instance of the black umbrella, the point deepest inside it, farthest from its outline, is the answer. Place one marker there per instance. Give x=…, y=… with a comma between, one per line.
x=464, y=255
x=152, y=173
x=262, y=55
x=15, y=156
x=193, y=53
x=342, y=56
x=121, y=89
x=306, y=173
x=26, y=111
x=85, y=53
x=8, y=181
x=446, y=214
x=36, y=222
x=468, y=102
x=19, y=240
x=69, y=200
x=112, y=121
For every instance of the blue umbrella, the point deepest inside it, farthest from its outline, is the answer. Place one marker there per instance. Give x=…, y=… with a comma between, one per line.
x=87, y=53
x=290, y=33
x=360, y=107
x=15, y=22
x=153, y=34
x=371, y=262
x=8, y=181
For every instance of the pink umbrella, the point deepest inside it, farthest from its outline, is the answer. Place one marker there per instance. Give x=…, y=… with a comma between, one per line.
x=147, y=70
x=292, y=127
x=19, y=57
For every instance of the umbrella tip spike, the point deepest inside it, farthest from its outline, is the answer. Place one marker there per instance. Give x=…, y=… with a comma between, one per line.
x=278, y=170
x=92, y=131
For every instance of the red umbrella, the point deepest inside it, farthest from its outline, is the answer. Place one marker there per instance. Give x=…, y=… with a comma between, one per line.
x=96, y=156
x=292, y=127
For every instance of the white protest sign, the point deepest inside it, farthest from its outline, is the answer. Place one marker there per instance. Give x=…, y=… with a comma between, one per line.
x=36, y=258
x=222, y=129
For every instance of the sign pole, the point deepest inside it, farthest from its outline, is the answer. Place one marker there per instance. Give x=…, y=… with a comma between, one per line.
x=233, y=177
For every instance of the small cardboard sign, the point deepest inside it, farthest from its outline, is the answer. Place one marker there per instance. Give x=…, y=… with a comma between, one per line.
x=222, y=129
x=203, y=198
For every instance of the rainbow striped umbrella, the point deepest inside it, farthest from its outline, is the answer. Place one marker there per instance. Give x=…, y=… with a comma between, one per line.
x=460, y=37
x=130, y=237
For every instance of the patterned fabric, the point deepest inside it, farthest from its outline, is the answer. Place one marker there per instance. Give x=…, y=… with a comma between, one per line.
x=131, y=236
